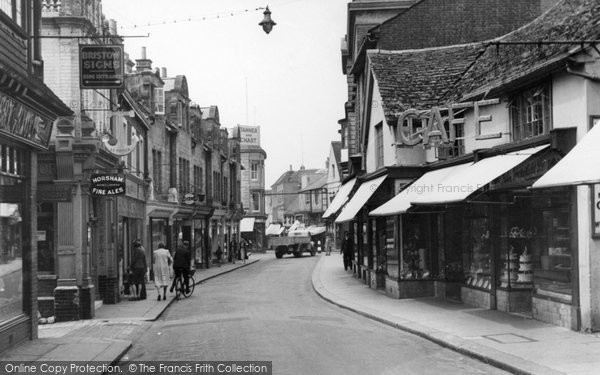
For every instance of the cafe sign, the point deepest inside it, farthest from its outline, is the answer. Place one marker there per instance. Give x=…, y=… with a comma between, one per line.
x=21, y=122
x=437, y=126
x=107, y=184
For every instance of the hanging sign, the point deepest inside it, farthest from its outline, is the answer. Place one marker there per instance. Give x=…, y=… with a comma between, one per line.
x=189, y=198
x=101, y=66
x=121, y=147
x=107, y=184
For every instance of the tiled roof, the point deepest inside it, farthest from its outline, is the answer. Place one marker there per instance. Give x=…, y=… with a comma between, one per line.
x=419, y=78
x=568, y=20
x=317, y=184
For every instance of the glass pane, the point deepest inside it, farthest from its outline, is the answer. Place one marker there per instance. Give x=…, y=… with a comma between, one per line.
x=11, y=261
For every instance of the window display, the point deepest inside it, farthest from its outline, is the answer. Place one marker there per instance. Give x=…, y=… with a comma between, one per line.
x=391, y=258
x=416, y=248
x=11, y=260
x=553, y=277
x=477, y=261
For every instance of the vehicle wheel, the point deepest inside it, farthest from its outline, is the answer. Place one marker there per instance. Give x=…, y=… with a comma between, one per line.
x=297, y=254
x=278, y=255
x=312, y=253
x=280, y=251
x=178, y=288
x=192, y=284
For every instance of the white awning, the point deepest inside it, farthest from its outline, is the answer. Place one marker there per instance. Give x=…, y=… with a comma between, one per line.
x=314, y=230
x=579, y=166
x=340, y=198
x=274, y=230
x=247, y=224
x=460, y=185
x=359, y=199
x=424, y=185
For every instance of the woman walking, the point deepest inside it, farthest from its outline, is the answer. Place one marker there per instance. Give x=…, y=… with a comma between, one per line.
x=162, y=263
x=138, y=268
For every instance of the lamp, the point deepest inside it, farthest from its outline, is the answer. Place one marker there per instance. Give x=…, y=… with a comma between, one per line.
x=267, y=23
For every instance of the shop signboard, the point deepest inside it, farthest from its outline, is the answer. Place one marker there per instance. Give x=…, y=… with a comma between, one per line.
x=596, y=210
x=101, y=66
x=249, y=135
x=189, y=198
x=22, y=123
x=107, y=184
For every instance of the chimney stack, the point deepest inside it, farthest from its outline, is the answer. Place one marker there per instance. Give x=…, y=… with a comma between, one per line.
x=143, y=53
x=143, y=64
x=112, y=27
x=163, y=72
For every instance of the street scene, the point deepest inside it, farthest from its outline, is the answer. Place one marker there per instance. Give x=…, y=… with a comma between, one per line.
x=300, y=187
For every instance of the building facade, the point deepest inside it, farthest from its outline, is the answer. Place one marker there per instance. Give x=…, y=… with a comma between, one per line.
x=28, y=111
x=253, y=158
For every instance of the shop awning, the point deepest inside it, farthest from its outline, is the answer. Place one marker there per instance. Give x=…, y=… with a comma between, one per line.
x=424, y=185
x=340, y=198
x=274, y=230
x=358, y=200
x=460, y=185
x=315, y=230
x=247, y=224
x=578, y=167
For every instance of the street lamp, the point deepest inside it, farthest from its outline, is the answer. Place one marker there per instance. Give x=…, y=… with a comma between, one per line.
x=267, y=23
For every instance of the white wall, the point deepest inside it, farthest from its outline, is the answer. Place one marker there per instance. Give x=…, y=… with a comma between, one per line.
x=500, y=123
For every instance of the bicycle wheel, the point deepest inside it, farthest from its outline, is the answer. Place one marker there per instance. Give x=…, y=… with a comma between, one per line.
x=179, y=287
x=192, y=284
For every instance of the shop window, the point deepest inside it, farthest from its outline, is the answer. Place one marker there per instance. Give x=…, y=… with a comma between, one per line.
x=417, y=260
x=553, y=273
x=478, y=259
x=11, y=260
x=531, y=113
x=255, y=202
x=391, y=253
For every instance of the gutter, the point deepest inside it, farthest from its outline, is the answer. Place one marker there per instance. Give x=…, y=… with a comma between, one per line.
x=591, y=77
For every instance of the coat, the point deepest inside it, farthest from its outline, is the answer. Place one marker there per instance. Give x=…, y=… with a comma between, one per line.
x=182, y=258
x=161, y=268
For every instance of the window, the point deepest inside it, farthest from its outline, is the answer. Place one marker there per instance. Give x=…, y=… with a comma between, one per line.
x=379, y=145
x=159, y=100
x=157, y=170
x=452, y=149
x=180, y=114
x=255, y=201
x=254, y=170
x=225, y=189
x=198, y=179
x=184, y=175
x=317, y=196
x=13, y=9
x=531, y=113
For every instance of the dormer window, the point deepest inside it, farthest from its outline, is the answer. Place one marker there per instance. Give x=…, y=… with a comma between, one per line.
x=159, y=100
x=531, y=113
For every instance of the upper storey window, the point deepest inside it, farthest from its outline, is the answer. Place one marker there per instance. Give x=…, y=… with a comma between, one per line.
x=13, y=9
x=531, y=113
x=159, y=100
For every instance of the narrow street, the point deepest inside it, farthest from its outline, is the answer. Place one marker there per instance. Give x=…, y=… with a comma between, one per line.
x=269, y=311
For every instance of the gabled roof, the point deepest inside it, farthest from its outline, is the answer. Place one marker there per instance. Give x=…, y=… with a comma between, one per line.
x=211, y=112
x=419, y=78
x=337, y=151
x=177, y=83
x=499, y=66
x=318, y=184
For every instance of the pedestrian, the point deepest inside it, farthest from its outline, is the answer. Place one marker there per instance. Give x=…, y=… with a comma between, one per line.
x=348, y=251
x=162, y=273
x=218, y=254
x=181, y=265
x=328, y=244
x=138, y=268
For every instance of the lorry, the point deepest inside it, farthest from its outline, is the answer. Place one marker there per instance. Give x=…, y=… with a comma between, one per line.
x=294, y=242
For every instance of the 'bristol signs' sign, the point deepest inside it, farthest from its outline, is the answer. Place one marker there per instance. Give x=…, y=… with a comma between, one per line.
x=107, y=184
x=101, y=66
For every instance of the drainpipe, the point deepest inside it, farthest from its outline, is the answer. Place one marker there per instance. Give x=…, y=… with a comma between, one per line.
x=591, y=77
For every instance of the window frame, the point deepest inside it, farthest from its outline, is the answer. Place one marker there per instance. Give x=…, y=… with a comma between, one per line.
x=524, y=106
x=379, y=152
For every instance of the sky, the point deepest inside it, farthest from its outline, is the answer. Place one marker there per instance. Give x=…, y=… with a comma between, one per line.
x=289, y=82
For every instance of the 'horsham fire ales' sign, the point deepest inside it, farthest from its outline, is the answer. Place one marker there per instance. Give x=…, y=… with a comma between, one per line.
x=107, y=184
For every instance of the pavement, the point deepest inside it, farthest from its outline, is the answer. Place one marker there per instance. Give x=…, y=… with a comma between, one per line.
x=107, y=337
x=514, y=343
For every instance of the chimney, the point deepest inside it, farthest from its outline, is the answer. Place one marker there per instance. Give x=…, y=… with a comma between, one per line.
x=291, y=168
x=163, y=72
x=143, y=64
x=112, y=27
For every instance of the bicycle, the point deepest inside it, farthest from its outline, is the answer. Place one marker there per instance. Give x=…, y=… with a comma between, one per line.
x=180, y=288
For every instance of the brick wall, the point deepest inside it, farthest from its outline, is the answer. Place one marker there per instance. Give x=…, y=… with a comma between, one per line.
x=513, y=301
x=433, y=23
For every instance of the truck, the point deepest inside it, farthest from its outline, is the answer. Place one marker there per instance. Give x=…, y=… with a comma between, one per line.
x=296, y=242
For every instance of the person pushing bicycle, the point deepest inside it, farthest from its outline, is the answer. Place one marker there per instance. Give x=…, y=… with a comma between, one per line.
x=181, y=265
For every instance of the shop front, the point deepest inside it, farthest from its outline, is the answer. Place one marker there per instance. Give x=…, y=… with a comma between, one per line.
x=27, y=111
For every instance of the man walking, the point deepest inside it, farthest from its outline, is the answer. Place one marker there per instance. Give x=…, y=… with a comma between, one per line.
x=348, y=251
